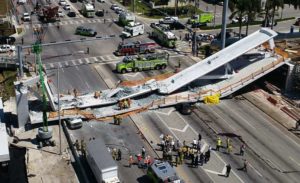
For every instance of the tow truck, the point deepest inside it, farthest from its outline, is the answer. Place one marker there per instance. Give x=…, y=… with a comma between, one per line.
x=146, y=62
x=138, y=47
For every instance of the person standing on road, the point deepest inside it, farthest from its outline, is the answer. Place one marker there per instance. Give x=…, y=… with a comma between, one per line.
x=219, y=144
x=242, y=149
x=228, y=142
x=194, y=143
x=119, y=154
x=228, y=169
x=207, y=156
x=196, y=160
x=244, y=168
x=201, y=158
x=199, y=137
x=143, y=152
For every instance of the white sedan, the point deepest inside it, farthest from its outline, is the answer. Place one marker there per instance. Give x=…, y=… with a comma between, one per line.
x=5, y=48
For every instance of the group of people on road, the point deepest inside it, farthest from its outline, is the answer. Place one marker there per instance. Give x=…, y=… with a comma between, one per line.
x=229, y=146
x=171, y=149
x=116, y=154
x=142, y=160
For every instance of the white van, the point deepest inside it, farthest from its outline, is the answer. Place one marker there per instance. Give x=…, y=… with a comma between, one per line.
x=133, y=29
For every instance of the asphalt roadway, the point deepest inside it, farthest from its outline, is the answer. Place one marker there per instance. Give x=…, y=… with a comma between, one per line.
x=271, y=150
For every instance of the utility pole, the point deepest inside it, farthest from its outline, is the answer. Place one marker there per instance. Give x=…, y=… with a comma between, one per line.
x=224, y=17
x=133, y=5
x=58, y=110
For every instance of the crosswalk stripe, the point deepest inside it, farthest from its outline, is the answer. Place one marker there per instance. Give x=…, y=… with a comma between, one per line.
x=87, y=60
x=66, y=63
x=101, y=58
x=51, y=65
x=73, y=62
x=80, y=61
x=95, y=58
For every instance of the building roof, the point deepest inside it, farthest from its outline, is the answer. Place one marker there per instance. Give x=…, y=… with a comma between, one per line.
x=98, y=150
x=4, y=152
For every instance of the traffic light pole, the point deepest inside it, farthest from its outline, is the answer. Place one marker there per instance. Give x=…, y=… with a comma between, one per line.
x=20, y=48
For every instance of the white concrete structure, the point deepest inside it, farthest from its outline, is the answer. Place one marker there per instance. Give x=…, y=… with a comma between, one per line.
x=4, y=151
x=216, y=60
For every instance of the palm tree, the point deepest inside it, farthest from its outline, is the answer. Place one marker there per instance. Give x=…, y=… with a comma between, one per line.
x=295, y=3
x=253, y=8
x=272, y=5
x=239, y=10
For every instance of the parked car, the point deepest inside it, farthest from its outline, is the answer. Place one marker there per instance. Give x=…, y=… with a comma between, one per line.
x=119, y=10
x=62, y=2
x=99, y=13
x=71, y=14
x=198, y=25
x=236, y=20
x=154, y=24
x=60, y=13
x=84, y=31
x=67, y=7
x=101, y=1
x=26, y=17
x=114, y=6
x=73, y=1
x=168, y=20
x=7, y=40
x=74, y=123
x=5, y=48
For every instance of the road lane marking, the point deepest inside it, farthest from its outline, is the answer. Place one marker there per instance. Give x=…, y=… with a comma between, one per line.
x=211, y=171
x=180, y=130
x=255, y=170
x=233, y=129
x=232, y=111
x=87, y=60
x=294, y=161
x=166, y=113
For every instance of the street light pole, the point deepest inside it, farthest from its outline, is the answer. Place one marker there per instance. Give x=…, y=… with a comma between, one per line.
x=59, y=119
x=224, y=19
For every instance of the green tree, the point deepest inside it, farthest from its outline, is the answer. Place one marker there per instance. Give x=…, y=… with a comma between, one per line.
x=239, y=10
x=272, y=5
x=253, y=8
x=295, y=3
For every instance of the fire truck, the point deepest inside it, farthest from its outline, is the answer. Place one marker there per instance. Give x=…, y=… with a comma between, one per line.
x=146, y=62
x=138, y=47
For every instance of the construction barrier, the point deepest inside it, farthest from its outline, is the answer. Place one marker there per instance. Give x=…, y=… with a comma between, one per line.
x=212, y=99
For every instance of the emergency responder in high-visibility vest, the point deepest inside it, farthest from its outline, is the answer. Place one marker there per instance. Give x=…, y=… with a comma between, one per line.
x=219, y=144
x=228, y=142
x=117, y=120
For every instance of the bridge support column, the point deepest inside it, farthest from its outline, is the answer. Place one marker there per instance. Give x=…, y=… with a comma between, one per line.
x=22, y=104
x=20, y=60
x=289, y=78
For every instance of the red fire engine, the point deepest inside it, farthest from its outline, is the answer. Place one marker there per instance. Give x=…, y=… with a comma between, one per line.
x=134, y=48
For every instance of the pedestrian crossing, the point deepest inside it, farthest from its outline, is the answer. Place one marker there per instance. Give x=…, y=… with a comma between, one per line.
x=104, y=59
x=69, y=22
